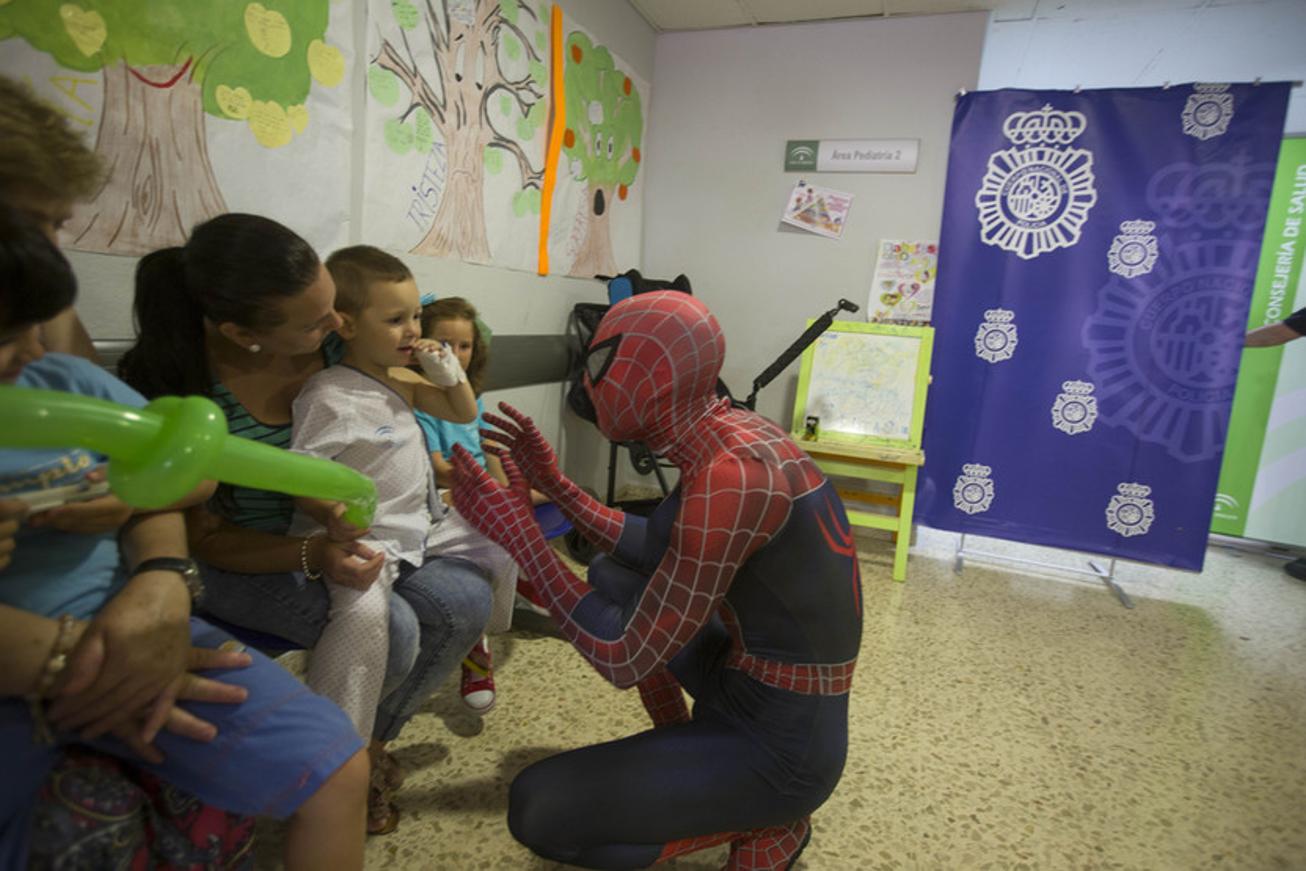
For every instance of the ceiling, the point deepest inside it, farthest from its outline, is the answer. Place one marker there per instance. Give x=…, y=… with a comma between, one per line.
x=665, y=15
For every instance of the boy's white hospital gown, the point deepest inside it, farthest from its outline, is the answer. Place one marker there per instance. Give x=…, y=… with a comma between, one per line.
x=345, y=415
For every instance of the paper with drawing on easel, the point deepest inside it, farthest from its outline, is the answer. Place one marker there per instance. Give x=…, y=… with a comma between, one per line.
x=817, y=210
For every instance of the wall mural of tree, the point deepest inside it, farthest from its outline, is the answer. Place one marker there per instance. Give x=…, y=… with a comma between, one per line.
x=167, y=66
x=605, y=126
x=462, y=103
x=481, y=92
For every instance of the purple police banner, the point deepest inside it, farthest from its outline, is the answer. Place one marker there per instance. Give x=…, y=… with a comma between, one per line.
x=1095, y=270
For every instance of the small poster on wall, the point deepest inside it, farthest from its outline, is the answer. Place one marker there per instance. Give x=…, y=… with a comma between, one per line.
x=903, y=287
x=817, y=210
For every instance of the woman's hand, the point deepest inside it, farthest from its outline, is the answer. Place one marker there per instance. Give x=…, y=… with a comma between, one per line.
x=348, y=563
x=12, y=512
x=166, y=714
x=89, y=517
x=134, y=648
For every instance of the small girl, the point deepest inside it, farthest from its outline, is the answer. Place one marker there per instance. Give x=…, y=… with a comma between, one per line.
x=454, y=321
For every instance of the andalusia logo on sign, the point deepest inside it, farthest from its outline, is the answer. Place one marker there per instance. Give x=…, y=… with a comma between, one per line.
x=800, y=154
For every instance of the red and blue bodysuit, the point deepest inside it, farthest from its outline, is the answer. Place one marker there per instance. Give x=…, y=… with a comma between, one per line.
x=742, y=589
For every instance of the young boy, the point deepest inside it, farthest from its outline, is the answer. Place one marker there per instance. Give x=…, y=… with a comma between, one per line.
x=281, y=751
x=360, y=413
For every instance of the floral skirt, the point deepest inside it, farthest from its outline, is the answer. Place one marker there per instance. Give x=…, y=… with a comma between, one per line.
x=95, y=812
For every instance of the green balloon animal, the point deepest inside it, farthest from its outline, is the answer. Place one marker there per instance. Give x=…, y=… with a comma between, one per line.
x=159, y=453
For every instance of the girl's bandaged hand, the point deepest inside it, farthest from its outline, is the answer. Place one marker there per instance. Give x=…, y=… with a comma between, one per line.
x=439, y=364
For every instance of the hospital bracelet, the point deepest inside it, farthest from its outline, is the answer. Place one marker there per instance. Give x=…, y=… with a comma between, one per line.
x=50, y=672
x=303, y=559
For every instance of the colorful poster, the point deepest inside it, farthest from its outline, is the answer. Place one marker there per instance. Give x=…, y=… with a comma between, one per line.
x=1097, y=258
x=1262, y=490
x=198, y=108
x=500, y=133
x=903, y=287
x=817, y=210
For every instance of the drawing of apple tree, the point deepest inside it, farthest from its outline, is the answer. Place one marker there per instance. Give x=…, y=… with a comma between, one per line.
x=605, y=123
x=471, y=74
x=167, y=65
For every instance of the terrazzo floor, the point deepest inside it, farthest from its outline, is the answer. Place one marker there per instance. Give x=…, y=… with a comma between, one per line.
x=1000, y=719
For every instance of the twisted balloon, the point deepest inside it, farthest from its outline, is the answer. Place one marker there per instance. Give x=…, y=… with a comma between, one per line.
x=159, y=453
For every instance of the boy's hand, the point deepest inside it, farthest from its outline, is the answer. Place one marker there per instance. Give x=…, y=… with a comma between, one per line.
x=12, y=512
x=438, y=363
x=339, y=529
x=331, y=515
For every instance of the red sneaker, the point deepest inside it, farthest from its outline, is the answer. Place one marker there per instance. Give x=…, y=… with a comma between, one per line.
x=478, y=679
x=530, y=600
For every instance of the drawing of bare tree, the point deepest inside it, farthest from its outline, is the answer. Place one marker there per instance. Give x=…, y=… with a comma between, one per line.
x=472, y=74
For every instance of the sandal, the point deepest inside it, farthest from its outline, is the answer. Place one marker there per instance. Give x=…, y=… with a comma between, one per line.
x=391, y=770
x=382, y=815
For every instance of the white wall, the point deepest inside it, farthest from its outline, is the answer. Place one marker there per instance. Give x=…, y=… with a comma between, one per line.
x=511, y=302
x=725, y=101
x=1109, y=45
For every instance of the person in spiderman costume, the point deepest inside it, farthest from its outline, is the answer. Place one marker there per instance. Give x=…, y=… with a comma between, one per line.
x=742, y=588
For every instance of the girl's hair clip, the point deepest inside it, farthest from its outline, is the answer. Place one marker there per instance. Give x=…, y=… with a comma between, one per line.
x=427, y=298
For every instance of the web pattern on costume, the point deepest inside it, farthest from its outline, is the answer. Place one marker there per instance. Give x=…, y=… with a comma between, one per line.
x=744, y=485
x=771, y=848
x=739, y=477
x=599, y=523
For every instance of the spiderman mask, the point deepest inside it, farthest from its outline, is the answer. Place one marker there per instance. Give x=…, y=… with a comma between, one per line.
x=651, y=370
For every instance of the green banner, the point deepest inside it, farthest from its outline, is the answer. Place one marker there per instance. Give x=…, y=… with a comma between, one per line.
x=1268, y=421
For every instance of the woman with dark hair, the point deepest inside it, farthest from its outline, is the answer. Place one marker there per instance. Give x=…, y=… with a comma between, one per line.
x=244, y=313
x=271, y=748
x=139, y=640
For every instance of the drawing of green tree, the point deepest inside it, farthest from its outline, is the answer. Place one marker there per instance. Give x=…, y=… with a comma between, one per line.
x=167, y=64
x=605, y=124
x=477, y=80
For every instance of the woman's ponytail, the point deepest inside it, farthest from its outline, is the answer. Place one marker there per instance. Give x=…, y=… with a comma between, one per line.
x=168, y=357
x=236, y=268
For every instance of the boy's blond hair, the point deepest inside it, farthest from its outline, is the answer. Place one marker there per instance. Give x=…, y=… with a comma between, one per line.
x=40, y=152
x=356, y=268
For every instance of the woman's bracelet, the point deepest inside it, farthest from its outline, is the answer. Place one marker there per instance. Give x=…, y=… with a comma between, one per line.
x=54, y=666
x=303, y=559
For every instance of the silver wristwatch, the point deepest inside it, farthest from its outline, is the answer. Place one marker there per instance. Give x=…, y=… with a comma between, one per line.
x=184, y=566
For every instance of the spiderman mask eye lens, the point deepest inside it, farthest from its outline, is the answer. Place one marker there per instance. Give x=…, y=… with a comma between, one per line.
x=599, y=358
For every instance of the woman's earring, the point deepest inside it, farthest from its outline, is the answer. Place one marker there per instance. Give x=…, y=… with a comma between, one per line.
x=255, y=348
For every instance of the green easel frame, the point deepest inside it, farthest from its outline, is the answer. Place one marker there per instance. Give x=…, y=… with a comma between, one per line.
x=868, y=457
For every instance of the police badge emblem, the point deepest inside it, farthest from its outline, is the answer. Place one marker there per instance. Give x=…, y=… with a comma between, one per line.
x=996, y=338
x=1130, y=512
x=973, y=491
x=1163, y=348
x=1035, y=196
x=1208, y=111
x=1134, y=251
x=1075, y=409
